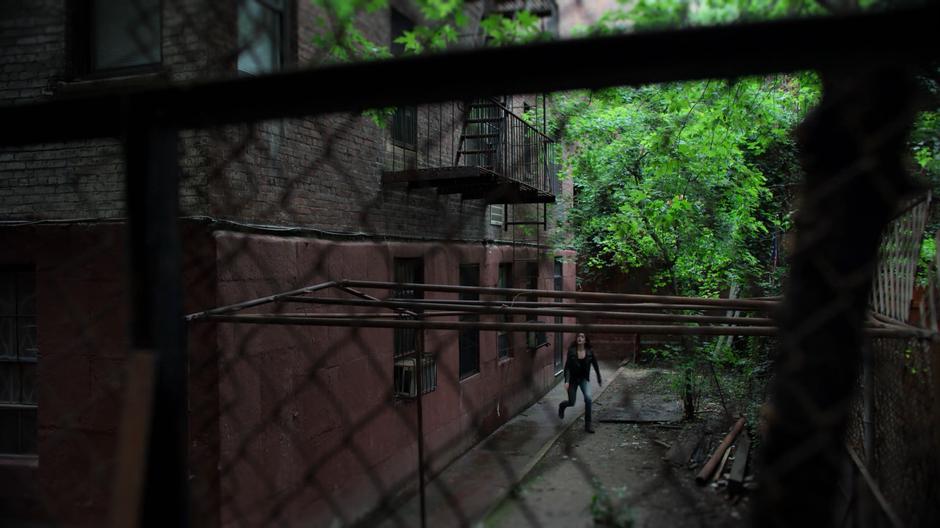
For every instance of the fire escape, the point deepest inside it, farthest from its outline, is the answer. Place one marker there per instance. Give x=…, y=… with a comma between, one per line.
x=496, y=150
x=498, y=156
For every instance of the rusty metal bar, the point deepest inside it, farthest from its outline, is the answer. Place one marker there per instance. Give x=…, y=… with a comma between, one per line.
x=357, y=293
x=419, y=386
x=595, y=306
x=505, y=309
x=875, y=491
x=371, y=314
x=884, y=319
x=702, y=478
x=259, y=301
x=628, y=297
x=156, y=317
x=305, y=320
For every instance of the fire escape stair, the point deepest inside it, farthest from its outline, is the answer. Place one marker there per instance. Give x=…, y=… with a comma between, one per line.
x=475, y=174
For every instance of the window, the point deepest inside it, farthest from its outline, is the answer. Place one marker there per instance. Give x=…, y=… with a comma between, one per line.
x=115, y=35
x=533, y=339
x=503, y=338
x=405, y=384
x=497, y=214
x=18, y=356
x=404, y=129
x=260, y=36
x=407, y=340
x=469, y=339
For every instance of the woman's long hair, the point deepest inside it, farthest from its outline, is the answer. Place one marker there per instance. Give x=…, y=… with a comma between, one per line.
x=574, y=344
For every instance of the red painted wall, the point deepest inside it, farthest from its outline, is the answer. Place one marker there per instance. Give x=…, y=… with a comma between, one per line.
x=309, y=428
x=292, y=421
x=81, y=324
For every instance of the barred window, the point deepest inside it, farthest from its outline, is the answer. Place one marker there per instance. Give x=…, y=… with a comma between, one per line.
x=404, y=129
x=18, y=358
x=469, y=340
x=410, y=270
x=504, y=338
x=533, y=339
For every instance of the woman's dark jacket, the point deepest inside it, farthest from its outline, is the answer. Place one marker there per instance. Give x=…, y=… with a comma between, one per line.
x=580, y=369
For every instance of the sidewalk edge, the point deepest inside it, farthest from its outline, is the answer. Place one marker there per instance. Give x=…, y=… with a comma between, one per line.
x=540, y=454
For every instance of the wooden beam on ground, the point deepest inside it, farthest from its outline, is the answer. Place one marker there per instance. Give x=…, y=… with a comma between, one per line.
x=738, y=468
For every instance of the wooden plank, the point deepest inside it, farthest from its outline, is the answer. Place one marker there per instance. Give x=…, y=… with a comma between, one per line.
x=133, y=436
x=633, y=415
x=721, y=466
x=705, y=473
x=738, y=468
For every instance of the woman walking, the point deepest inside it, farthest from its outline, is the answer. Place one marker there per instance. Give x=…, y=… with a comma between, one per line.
x=578, y=374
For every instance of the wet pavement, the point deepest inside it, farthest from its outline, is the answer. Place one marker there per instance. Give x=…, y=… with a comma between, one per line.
x=473, y=485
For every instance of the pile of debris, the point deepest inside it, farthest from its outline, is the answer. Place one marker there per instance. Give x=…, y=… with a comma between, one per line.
x=724, y=466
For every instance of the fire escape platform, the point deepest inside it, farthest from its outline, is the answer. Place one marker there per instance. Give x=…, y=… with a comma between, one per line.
x=471, y=183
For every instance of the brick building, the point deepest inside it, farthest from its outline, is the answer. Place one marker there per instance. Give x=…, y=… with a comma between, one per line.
x=307, y=425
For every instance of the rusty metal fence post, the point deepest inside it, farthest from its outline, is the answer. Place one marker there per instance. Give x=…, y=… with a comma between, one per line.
x=157, y=325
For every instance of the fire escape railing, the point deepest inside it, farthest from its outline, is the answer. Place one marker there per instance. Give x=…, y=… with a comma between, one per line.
x=496, y=138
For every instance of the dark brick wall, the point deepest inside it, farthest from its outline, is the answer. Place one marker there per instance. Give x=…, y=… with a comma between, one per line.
x=325, y=172
x=32, y=48
x=85, y=179
x=322, y=172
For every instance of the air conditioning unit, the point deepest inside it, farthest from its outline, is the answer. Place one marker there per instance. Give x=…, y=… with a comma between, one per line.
x=405, y=379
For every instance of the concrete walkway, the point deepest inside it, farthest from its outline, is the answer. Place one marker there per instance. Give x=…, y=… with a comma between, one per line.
x=467, y=490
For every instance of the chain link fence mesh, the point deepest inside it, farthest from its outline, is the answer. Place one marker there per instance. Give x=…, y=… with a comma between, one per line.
x=292, y=425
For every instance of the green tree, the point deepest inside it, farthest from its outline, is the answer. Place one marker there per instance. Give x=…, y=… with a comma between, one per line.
x=669, y=177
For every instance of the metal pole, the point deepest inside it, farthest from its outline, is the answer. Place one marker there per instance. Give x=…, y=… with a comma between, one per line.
x=261, y=300
x=157, y=316
x=445, y=309
x=419, y=373
x=537, y=326
x=628, y=297
x=581, y=306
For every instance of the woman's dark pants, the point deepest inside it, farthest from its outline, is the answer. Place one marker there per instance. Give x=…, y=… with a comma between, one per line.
x=572, y=391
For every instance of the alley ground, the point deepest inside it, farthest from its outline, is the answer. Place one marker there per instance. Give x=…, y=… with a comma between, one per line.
x=624, y=462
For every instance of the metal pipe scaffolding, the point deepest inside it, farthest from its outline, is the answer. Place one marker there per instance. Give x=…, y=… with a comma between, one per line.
x=408, y=313
x=312, y=320
x=560, y=294
x=570, y=310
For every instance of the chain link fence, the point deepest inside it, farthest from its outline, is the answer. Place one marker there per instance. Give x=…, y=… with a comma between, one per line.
x=130, y=199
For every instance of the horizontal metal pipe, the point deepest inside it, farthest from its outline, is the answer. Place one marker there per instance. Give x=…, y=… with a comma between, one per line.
x=587, y=307
x=259, y=301
x=562, y=294
x=368, y=297
x=532, y=326
x=887, y=320
x=367, y=315
x=504, y=309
